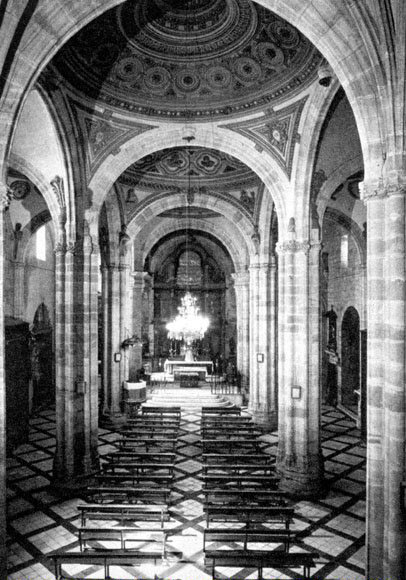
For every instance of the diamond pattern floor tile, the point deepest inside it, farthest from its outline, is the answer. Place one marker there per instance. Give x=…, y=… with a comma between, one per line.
x=40, y=521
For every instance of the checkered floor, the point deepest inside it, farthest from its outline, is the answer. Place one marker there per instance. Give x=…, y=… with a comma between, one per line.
x=40, y=522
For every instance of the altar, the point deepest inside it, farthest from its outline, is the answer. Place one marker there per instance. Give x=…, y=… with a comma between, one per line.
x=175, y=368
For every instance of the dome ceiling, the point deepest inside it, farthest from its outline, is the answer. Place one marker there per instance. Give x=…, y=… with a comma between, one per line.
x=188, y=58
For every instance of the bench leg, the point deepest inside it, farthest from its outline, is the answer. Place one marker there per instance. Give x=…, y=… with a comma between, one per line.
x=260, y=572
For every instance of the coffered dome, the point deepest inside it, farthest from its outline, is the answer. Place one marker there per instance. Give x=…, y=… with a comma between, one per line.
x=188, y=58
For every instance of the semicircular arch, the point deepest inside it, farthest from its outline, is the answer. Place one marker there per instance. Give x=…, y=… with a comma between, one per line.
x=147, y=237
x=168, y=136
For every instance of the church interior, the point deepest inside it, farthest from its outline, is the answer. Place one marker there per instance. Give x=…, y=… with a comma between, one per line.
x=204, y=240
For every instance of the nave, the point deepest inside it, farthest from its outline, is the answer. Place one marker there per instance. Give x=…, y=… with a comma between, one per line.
x=40, y=522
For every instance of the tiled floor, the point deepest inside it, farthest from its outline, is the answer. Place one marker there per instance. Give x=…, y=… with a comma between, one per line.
x=40, y=522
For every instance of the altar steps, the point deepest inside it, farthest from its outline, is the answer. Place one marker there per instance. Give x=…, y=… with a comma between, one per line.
x=186, y=398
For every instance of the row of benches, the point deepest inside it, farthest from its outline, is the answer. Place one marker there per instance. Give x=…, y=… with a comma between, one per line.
x=240, y=486
x=132, y=488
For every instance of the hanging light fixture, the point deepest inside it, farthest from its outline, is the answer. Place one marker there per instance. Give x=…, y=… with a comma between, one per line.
x=189, y=325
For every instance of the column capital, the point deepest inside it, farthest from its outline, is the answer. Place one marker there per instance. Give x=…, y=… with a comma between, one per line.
x=60, y=248
x=372, y=191
x=240, y=278
x=293, y=247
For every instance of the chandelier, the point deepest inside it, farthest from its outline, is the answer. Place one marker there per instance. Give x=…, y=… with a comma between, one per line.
x=189, y=325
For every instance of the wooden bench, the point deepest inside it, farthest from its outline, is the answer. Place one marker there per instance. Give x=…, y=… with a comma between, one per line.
x=147, y=442
x=154, y=420
x=156, y=428
x=238, y=468
x=260, y=559
x=239, y=481
x=259, y=458
x=220, y=411
x=231, y=443
x=139, y=456
x=145, y=432
x=103, y=558
x=226, y=420
x=226, y=433
x=248, y=514
x=138, y=468
x=244, y=496
x=90, y=537
x=247, y=536
x=133, y=478
x=123, y=512
x=170, y=411
x=128, y=494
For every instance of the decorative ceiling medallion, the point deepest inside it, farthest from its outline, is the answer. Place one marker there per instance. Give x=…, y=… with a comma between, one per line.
x=19, y=189
x=105, y=136
x=189, y=58
x=276, y=133
x=208, y=167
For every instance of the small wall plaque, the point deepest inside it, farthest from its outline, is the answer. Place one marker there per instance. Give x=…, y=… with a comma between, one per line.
x=260, y=357
x=117, y=356
x=296, y=392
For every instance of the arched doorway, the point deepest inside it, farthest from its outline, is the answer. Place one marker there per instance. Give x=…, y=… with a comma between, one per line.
x=350, y=355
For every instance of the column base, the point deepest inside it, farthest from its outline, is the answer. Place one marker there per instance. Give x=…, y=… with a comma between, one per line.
x=111, y=420
x=304, y=479
x=72, y=486
x=266, y=419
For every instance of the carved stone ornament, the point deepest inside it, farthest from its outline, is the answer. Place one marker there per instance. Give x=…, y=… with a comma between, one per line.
x=59, y=190
x=19, y=189
x=381, y=190
x=60, y=248
x=292, y=247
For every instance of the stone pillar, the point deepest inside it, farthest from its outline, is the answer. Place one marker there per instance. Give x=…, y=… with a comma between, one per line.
x=107, y=346
x=135, y=352
x=76, y=362
x=4, y=202
x=19, y=271
x=300, y=461
x=241, y=285
x=90, y=387
x=386, y=438
x=65, y=467
x=112, y=412
x=125, y=317
x=263, y=390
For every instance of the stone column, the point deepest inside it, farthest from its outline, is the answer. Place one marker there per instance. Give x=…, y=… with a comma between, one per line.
x=19, y=272
x=68, y=414
x=135, y=352
x=4, y=202
x=90, y=387
x=112, y=412
x=107, y=346
x=125, y=317
x=263, y=391
x=241, y=285
x=386, y=438
x=300, y=460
